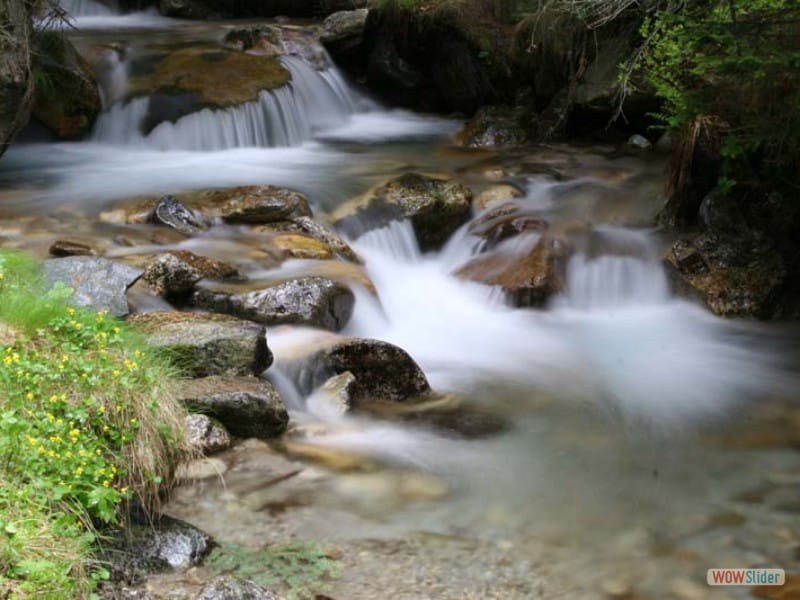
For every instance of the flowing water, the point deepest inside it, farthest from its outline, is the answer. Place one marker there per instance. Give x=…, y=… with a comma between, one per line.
x=645, y=440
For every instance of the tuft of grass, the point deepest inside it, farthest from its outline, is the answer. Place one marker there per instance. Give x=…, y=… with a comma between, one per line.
x=88, y=424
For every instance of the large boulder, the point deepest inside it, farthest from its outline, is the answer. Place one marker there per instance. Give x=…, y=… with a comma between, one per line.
x=342, y=33
x=16, y=83
x=378, y=371
x=67, y=99
x=246, y=406
x=188, y=79
x=436, y=208
x=207, y=344
x=313, y=301
x=529, y=276
x=97, y=283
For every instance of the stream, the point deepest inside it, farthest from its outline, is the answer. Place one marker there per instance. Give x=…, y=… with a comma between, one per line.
x=646, y=440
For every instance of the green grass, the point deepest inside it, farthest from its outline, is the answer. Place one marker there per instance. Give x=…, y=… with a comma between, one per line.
x=88, y=423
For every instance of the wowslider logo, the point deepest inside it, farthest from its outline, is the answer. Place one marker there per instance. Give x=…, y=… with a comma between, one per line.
x=745, y=577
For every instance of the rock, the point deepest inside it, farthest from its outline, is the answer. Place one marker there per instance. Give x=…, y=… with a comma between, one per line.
x=343, y=32
x=640, y=142
x=256, y=204
x=204, y=344
x=63, y=248
x=246, y=406
x=293, y=245
x=204, y=9
x=175, y=273
x=98, y=283
x=495, y=195
x=172, y=542
x=436, y=208
x=313, y=301
x=334, y=397
x=205, y=434
x=170, y=212
x=327, y=236
x=226, y=587
x=505, y=221
x=202, y=468
x=529, y=278
x=494, y=127
x=16, y=83
x=381, y=371
x=687, y=258
x=265, y=40
x=188, y=78
x=67, y=102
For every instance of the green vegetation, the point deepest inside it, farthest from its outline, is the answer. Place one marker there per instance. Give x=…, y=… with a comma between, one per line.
x=732, y=68
x=87, y=423
x=302, y=567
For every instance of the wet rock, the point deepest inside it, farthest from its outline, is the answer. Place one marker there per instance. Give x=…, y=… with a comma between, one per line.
x=177, y=272
x=69, y=102
x=256, y=204
x=205, y=434
x=187, y=79
x=171, y=212
x=205, y=344
x=63, y=248
x=687, y=258
x=230, y=588
x=246, y=406
x=381, y=371
x=298, y=246
x=313, y=301
x=327, y=236
x=640, y=142
x=200, y=469
x=503, y=222
x=494, y=127
x=98, y=283
x=334, y=397
x=265, y=40
x=495, y=195
x=530, y=277
x=436, y=208
x=174, y=543
x=343, y=32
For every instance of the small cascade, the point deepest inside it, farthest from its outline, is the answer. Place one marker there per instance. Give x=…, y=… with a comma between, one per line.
x=288, y=116
x=112, y=78
x=87, y=8
x=397, y=241
x=629, y=275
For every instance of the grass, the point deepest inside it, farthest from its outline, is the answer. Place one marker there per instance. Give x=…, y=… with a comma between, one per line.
x=88, y=424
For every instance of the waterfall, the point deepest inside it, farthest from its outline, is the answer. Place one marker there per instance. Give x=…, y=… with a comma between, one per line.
x=631, y=276
x=86, y=8
x=287, y=116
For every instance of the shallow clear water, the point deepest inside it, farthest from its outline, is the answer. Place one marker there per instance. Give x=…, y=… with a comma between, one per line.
x=635, y=420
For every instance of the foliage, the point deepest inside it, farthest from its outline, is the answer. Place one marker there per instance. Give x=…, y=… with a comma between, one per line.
x=736, y=64
x=301, y=566
x=87, y=422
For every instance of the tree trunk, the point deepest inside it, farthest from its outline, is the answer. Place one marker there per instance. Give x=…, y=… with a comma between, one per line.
x=16, y=83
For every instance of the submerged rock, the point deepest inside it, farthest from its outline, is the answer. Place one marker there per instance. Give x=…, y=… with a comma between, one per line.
x=207, y=344
x=98, y=283
x=205, y=434
x=436, y=208
x=313, y=301
x=495, y=195
x=380, y=371
x=177, y=272
x=529, y=278
x=505, y=221
x=171, y=212
x=246, y=406
x=230, y=588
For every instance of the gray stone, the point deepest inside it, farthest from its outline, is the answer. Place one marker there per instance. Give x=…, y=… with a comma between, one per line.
x=205, y=434
x=172, y=542
x=98, y=283
x=246, y=406
x=436, y=208
x=170, y=212
x=313, y=301
x=344, y=29
x=230, y=588
x=327, y=236
x=204, y=344
x=639, y=141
